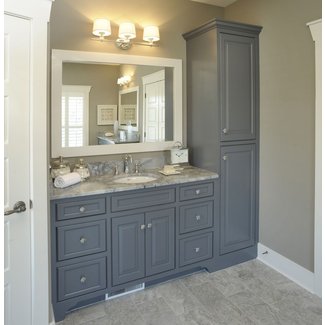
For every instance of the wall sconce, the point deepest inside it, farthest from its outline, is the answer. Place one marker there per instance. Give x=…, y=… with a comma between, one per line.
x=126, y=33
x=123, y=81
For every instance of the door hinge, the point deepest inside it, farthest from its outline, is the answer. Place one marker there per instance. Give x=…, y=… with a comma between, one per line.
x=30, y=204
x=145, y=95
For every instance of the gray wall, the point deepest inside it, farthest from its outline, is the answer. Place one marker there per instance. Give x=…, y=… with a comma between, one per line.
x=287, y=122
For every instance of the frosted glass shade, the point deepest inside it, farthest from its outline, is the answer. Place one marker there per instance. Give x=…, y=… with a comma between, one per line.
x=102, y=27
x=126, y=31
x=151, y=34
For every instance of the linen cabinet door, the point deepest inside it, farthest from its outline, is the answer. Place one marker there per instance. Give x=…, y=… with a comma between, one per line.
x=160, y=241
x=128, y=248
x=238, y=86
x=238, y=201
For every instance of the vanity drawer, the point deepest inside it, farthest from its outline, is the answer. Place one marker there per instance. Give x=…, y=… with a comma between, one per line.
x=141, y=199
x=195, y=217
x=80, y=208
x=79, y=279
x=194, y=249
x=81, y=239
x=195, y=191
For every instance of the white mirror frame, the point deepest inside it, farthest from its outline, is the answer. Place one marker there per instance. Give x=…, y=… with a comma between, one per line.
x=61, y=56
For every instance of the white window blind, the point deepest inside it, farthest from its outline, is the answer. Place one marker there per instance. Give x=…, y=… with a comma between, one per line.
x=74, y=113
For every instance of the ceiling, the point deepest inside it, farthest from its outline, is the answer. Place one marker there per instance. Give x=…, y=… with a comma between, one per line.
x=219, y=3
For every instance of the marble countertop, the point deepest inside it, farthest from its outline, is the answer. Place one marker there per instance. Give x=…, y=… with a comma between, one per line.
x=105, y=184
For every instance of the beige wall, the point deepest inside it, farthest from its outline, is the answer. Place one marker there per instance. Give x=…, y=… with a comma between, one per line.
x=287, y=122
x=71, y=25
x=287, y=92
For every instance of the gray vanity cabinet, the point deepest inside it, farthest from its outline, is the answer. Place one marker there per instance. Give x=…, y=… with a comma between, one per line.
x=238, y=81
x=104, y=244
x=223, y=126
x=238, y=199
x=143, y=245
x=128, y=248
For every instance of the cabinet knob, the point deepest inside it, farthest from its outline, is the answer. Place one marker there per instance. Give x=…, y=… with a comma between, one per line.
x=198, y=217
x=82, y=209
x=149, y=225
x=197, y=192
x=83, y=279
x=143, y=227
x=83, y=240
x=225, y=157
x=225, y=131
x=197, y=249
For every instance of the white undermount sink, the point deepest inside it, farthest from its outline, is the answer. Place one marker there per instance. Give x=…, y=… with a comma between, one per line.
x=134, y=179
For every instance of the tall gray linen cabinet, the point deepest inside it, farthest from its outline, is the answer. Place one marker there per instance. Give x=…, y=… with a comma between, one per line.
x=223, y=127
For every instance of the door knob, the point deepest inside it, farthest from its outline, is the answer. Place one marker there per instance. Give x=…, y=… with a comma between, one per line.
x=19, y=206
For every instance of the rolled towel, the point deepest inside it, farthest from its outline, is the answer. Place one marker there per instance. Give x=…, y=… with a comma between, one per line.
x=67, y=180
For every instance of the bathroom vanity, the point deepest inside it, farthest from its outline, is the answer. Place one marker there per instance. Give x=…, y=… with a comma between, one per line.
x=107, y=237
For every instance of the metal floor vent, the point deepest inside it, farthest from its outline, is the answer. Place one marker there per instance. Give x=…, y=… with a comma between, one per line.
x=125, y=291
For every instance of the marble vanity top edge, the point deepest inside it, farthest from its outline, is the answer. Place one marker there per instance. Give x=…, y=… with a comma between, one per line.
x=97, y=185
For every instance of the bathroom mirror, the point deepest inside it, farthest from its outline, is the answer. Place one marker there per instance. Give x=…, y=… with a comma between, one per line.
x=111, y=110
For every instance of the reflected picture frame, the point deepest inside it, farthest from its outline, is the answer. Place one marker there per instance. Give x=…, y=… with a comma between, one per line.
x=106, y=114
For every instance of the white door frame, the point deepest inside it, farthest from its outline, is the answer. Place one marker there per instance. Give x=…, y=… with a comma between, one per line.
x=38, y=12
x=316, y=32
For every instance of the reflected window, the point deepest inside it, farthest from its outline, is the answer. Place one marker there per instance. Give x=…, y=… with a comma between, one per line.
x=74, y=116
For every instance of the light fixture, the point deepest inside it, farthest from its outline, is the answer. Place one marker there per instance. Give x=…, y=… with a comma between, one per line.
x=102, y=28
x=122, y=81
x=151, y=34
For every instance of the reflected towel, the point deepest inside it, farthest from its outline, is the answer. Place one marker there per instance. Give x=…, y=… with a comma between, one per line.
x=67, y=180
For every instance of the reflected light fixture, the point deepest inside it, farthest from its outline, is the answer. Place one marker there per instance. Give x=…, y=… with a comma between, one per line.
x=122, y=81
x=126, y=33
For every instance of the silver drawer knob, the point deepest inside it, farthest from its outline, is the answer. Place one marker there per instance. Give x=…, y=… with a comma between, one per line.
x=143, y=227
x=225, y=131
x=197, y=249
x=197, y=192
x=149, y=225
x=82, y=209
x=83, y=279
x=83, y=240
x=224, y=157
x=198, y=217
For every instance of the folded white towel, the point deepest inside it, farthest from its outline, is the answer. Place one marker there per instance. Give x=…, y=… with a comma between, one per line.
x=67, y=180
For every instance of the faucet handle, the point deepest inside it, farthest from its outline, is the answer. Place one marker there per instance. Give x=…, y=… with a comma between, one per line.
x=138, y=164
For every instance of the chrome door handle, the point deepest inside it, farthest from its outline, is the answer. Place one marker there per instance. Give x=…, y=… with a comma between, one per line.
x=19, y=206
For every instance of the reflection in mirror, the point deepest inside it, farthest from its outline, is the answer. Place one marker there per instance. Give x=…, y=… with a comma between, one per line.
x=107, y=100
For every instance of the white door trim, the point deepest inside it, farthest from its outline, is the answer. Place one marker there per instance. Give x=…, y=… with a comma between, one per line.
x=316, y=32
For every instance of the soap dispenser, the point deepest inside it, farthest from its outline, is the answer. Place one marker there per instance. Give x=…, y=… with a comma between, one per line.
x=82, y=169
x=59, y=167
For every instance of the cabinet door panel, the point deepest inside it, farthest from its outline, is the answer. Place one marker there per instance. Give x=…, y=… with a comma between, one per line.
x=127, y=248
x=238, y=205
x=160, y=241
x=237, y=87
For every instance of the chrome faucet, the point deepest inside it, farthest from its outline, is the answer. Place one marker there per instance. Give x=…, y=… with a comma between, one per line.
x=127, y=159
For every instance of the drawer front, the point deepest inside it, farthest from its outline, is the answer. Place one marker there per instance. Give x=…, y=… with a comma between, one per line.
x=80, y=208
x=82, y=278
x=195, y=249
x=195, y=217
x=121, y=202
x=195, y=191
x=81, y=239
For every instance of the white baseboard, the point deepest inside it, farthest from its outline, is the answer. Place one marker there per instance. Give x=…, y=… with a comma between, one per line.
x=288, y=268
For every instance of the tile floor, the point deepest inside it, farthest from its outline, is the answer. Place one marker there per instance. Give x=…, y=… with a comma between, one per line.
x=248, y=293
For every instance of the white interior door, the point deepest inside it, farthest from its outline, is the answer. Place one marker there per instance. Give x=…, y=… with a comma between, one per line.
x=154, y=107
x=17, y=226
